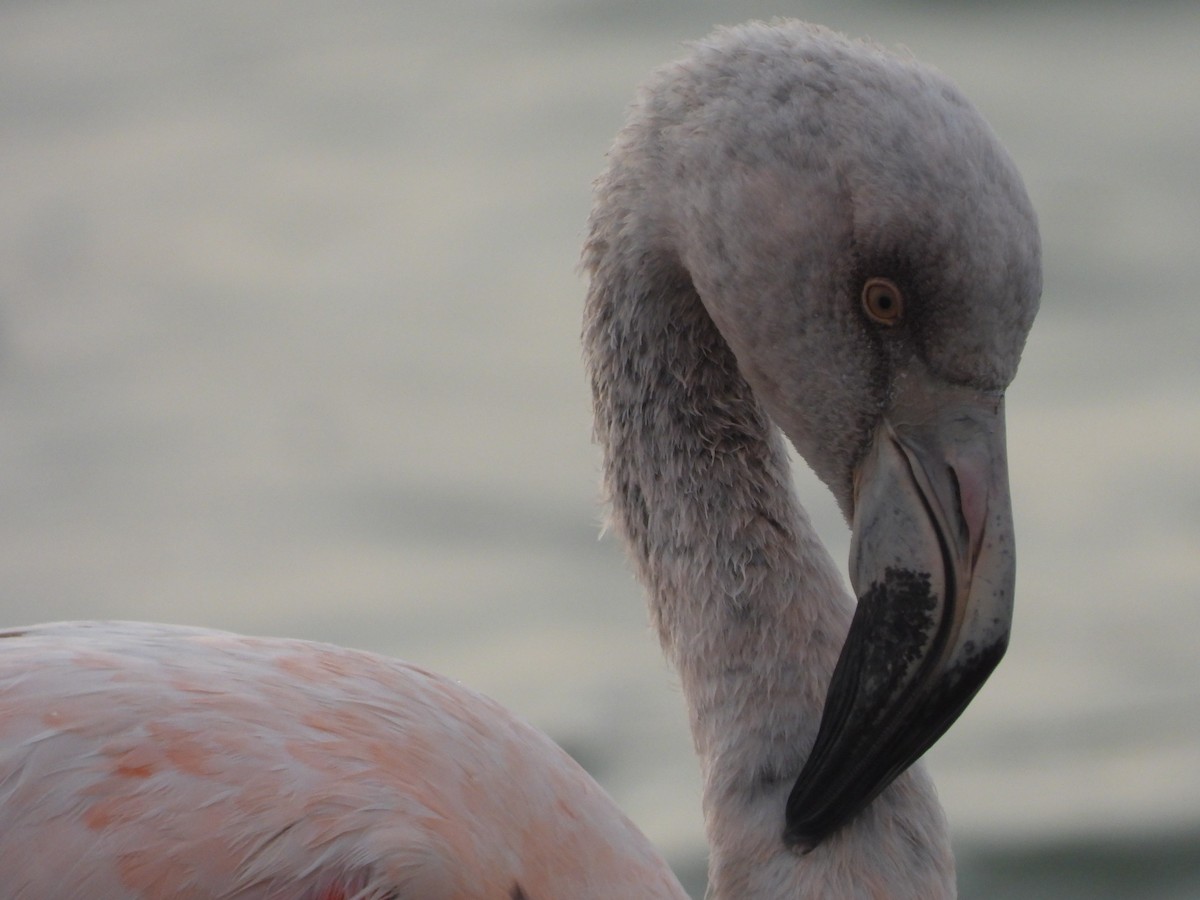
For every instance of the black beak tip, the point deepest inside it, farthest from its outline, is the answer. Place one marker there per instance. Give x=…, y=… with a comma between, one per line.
x=892, y=695
x=812, y=816
x=801, y=838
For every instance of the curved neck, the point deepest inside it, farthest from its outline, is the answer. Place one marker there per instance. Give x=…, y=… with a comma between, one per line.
x=700, y=488
x=746, y=601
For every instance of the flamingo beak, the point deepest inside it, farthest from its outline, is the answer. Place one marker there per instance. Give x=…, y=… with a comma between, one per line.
x=932, y=563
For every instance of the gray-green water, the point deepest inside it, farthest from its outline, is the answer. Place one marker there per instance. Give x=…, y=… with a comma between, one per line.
x=288, y=344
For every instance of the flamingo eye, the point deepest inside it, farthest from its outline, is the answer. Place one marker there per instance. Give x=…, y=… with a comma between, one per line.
x=882, y=301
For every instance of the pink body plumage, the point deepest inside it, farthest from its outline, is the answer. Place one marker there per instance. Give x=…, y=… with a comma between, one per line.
x=148, y=761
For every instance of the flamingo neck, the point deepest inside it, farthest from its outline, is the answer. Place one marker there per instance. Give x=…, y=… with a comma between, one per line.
x=744, y=597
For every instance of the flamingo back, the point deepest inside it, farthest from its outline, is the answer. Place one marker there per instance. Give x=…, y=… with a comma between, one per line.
x=148, y=761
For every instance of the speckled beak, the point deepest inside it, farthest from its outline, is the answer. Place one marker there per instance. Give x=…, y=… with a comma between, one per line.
x=933, y=566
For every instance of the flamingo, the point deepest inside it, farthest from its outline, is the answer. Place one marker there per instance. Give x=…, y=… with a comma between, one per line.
x=797, y=236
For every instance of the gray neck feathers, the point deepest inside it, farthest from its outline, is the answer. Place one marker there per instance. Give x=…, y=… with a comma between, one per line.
x=746, y=601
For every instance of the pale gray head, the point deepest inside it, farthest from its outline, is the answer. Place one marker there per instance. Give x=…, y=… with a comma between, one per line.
x=867, y=252
x=785, y=168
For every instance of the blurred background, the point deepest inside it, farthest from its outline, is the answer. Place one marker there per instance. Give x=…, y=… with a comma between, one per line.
x=289, y=323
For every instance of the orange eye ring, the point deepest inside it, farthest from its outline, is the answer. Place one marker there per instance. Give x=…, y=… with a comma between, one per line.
x=882, y=301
